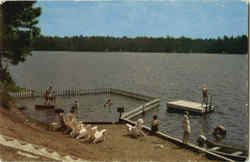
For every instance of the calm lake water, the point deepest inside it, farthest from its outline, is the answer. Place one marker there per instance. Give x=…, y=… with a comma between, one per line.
x=168, y=76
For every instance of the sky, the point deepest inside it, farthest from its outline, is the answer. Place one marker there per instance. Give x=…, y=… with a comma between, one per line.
x=151, y=18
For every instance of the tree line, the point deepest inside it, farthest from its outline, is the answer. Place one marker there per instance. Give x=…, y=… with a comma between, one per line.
x=227, y=45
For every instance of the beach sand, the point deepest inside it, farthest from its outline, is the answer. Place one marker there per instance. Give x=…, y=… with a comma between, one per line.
x=117, y=146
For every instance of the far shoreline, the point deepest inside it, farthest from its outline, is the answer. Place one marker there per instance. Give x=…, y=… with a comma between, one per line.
x=145, y=52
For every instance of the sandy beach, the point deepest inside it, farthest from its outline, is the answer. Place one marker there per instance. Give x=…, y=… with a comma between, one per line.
x=117, y=146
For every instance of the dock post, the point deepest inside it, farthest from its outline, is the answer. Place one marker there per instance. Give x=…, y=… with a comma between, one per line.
x=210, y=105
x=31, y=93
x=206, y=108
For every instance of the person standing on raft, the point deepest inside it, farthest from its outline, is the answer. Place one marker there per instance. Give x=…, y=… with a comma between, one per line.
x=204, y=96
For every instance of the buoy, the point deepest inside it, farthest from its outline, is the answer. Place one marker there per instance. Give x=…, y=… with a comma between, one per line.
x=219, y=131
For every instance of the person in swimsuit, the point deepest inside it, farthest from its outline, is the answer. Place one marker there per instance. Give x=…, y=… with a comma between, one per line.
x=204, y=96
x=154, y=124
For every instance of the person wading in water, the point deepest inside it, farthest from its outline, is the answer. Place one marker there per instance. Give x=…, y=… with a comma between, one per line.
x=186, y=127
x=154, y=124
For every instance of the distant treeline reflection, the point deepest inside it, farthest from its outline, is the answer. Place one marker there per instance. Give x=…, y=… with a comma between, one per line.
x=229, y=45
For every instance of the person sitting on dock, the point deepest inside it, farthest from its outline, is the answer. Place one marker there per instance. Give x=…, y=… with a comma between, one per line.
x=204, y=96
x=154, y=124
x=186, y=127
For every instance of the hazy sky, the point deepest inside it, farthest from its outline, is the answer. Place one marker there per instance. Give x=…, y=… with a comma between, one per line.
x=156, y=18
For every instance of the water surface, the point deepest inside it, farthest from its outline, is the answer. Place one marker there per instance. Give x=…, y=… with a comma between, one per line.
x=168, y=76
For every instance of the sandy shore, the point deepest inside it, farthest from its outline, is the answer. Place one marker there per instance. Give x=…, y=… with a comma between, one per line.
x=118, y=146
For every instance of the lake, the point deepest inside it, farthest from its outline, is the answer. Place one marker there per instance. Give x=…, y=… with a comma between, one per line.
x=168, y=76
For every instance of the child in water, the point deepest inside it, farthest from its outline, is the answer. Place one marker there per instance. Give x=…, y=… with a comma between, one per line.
x=154, y=124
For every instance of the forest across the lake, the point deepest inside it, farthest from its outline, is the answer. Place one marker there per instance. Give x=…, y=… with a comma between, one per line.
x=168, y=44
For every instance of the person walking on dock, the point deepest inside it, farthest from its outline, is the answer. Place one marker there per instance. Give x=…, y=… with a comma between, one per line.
x=186, y=127
x=204, y=96
x=54, y=96
x=154, y=124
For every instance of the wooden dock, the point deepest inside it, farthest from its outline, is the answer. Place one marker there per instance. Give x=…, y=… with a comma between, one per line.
x=44, y=106
x=192, y=107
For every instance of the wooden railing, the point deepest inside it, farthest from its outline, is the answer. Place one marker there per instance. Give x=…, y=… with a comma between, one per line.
x=79, y=92
x=141, y=109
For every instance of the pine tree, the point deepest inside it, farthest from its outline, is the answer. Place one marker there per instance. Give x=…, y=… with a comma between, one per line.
x=18, y=20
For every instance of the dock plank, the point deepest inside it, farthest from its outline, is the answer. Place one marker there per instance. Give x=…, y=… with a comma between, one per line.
x=214, y=148
x=237, y=153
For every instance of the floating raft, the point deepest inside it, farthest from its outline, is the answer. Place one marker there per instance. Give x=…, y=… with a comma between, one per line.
x=193, y=107
x=44, y=106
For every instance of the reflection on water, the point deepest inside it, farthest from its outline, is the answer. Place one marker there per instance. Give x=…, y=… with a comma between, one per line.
x=168, y=76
